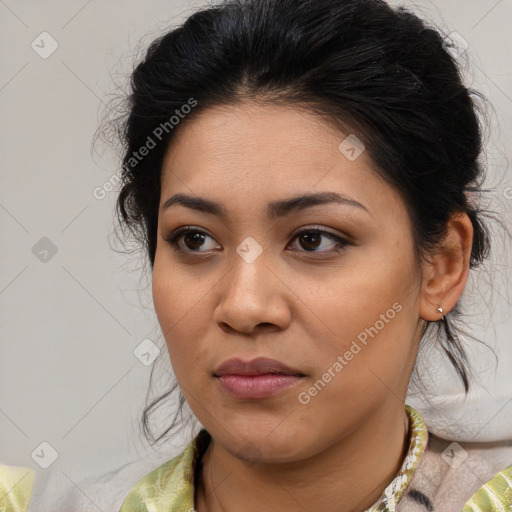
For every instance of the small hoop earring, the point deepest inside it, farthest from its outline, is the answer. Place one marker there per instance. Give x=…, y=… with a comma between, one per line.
x=440, y=310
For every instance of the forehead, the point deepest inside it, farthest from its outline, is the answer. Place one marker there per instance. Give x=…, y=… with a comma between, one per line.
x=266, y=151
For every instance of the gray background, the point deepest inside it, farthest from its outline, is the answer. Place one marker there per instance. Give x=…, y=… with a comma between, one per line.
x=71, y=319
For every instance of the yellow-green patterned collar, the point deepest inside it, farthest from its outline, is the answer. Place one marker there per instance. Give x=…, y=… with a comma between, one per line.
x=418, y=439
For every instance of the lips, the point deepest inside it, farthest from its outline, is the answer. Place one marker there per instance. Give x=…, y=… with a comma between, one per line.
x=258, y=366
x=257, y=379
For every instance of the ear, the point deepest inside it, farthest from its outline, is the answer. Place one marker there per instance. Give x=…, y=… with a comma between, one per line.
x=446, y=274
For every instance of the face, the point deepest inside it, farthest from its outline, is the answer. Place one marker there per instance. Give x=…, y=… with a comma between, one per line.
x=326, y=287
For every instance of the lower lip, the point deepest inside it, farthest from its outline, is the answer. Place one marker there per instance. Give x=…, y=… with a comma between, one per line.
x=255, y=387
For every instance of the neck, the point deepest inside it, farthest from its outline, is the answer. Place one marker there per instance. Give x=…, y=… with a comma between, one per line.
x=349, y=476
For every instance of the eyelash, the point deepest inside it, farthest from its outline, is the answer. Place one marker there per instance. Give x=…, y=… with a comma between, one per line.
x=174, y=237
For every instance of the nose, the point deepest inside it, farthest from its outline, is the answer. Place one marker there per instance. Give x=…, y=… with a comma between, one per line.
x=252, y=299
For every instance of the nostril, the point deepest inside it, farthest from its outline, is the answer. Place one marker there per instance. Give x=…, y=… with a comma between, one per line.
x=264, y=325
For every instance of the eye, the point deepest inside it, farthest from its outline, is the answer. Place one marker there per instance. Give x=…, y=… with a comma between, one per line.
x=311, y=240
x=192, y=238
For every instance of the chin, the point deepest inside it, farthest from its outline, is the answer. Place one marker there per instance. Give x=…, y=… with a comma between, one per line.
x=263, y=445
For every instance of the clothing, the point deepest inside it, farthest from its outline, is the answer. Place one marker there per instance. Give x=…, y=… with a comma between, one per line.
x=15, y=488
x=436, y=476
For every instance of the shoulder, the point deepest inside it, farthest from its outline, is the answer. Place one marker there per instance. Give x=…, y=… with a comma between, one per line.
x=460, y=476
x=15, y=488
x=171, y=485
x=151, y=487
x=494, y=496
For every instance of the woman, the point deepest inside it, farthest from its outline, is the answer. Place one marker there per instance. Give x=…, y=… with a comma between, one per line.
x=304, y=177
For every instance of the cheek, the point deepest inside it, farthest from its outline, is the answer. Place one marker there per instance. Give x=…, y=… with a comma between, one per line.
x=363, y=291
x=181, y=306
x=367, y=313
x=176, y=295
x=174, y=305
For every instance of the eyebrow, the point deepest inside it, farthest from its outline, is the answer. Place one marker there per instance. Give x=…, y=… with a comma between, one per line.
x=274, y=210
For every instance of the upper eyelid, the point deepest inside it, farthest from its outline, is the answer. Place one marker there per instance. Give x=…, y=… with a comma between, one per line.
x=314, y=227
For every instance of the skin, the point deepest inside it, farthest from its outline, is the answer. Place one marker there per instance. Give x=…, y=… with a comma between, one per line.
x=301, y=304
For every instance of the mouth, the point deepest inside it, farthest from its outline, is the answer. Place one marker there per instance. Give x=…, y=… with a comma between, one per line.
x=256, y=379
